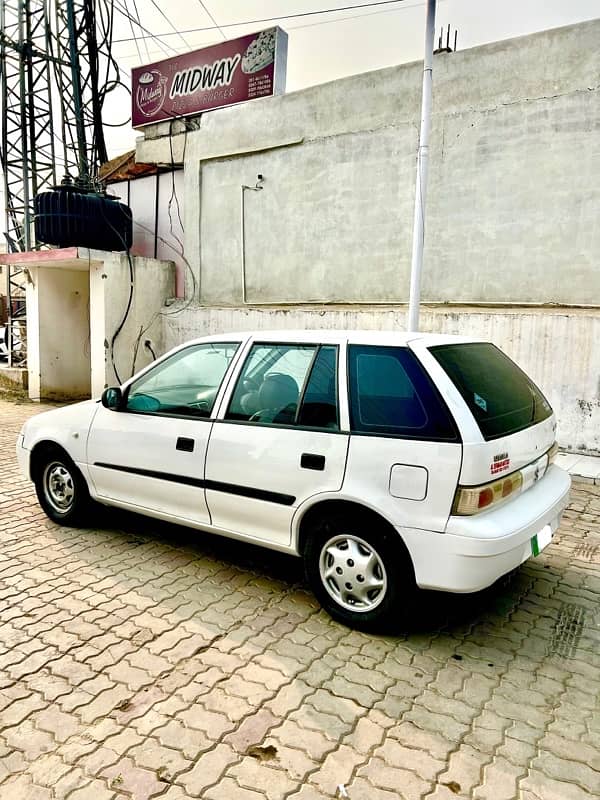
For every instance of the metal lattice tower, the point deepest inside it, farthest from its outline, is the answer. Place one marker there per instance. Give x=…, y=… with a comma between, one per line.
x=77, y=79
x=51, y=100
x=27, y=150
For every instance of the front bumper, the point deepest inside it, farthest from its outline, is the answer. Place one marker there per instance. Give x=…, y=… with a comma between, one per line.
x=22, y=456
x=475, y=551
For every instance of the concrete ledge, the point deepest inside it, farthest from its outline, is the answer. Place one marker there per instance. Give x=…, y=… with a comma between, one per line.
x=585, y=468
x=15, y=378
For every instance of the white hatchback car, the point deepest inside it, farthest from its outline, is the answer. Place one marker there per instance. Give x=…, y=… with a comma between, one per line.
x=388, y=461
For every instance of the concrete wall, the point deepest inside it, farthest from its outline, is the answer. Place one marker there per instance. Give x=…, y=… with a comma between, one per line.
x=76, y=301
x=157, y=203
x=154, y=283
x=2, y=292
x=557, y=348
x=58, y=334
x=513, y=210
x=514, y=198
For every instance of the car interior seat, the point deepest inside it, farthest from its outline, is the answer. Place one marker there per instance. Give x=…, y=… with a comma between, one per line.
x=277, y=398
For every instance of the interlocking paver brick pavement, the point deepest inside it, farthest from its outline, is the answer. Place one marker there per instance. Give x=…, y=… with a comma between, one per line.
x=141, y=660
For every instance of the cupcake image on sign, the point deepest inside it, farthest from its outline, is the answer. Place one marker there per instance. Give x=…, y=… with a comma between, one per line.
x=151, y=92
x=260, y=52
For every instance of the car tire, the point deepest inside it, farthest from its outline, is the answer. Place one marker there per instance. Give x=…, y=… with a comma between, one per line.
x=360, y=572
x=61, y=490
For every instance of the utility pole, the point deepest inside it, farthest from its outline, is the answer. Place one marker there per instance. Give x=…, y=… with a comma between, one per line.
x=422, y=169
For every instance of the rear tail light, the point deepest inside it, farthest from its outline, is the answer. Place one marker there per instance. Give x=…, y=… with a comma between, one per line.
x=472, y=499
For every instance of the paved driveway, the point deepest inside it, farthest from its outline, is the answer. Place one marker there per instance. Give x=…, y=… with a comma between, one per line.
x=141, y=660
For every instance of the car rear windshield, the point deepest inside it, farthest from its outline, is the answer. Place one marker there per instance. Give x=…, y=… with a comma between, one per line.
x=500, y=396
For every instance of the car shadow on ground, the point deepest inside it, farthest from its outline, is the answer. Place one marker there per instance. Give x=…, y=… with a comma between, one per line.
x=431, y=611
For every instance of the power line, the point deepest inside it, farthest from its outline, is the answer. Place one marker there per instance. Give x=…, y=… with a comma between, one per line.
x=275, y=19
x=213, y=20
x=149, y=35
x=137, y=14
x=162, y=13
x=137, y=45
x=405, y=6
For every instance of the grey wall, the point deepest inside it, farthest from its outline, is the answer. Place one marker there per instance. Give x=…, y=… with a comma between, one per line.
x=156, y=202
x=513, y=209
x=63, y=340
x=514, y=197
x=557, y=347
x=153, y=285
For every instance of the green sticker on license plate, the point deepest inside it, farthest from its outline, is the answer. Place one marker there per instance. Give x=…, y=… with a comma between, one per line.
x=541, y=540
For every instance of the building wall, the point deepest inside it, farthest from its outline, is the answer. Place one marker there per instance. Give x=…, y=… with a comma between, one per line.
x=76, y=304
x=3, y=304
x=513, y=210
x=156, y=202
x=109, y=280
x=58, y=314
x=558, y=348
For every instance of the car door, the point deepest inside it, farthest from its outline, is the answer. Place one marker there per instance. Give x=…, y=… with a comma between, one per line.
x=149, y=455
x=277, y=440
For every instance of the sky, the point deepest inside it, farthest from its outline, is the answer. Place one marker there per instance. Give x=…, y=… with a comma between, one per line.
x=323, y=46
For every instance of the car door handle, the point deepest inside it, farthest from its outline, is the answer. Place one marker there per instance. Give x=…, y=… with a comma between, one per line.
x=312, y=461
x=187, y=445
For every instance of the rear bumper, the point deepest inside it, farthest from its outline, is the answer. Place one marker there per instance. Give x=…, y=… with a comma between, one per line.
x=475, y=551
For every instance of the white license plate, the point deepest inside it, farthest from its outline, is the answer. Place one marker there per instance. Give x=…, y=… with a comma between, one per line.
x=541, y=540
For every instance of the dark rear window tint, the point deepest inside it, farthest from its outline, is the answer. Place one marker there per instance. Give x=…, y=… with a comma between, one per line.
x=500, y=396
x=319, y=407
x=390, y=394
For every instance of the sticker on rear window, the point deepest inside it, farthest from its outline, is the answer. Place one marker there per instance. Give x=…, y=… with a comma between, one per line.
x=479, y=401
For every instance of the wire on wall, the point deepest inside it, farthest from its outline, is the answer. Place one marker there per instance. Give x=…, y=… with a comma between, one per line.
x=124, y=319
x=179, y=249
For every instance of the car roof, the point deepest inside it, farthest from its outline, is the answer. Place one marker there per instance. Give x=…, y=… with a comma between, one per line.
x=318, y=335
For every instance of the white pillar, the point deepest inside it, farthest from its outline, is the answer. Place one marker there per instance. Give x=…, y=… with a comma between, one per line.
x=33, y=335
x=422, y=168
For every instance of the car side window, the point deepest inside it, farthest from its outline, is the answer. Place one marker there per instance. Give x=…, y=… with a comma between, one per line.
x=319, y=406
x=185, y=384
x=287, y=384
x=391, y=394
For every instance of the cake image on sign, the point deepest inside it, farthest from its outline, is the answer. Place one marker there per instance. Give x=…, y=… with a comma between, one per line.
x=151, y=92
x=260, y=52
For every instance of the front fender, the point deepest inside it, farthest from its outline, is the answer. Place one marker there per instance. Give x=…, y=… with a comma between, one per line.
x=67, y=427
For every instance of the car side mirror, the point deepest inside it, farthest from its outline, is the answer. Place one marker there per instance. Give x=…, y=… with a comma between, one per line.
x=112, y=398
